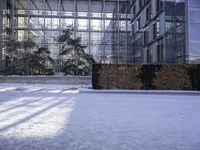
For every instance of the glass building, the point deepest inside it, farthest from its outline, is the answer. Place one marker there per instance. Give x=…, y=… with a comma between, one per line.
x=193, y=31
x=103, y=25
x=114, y=31
x=166, y=31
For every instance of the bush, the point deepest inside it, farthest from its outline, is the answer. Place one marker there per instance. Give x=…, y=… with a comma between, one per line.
x=168, y=77
x=174, y=77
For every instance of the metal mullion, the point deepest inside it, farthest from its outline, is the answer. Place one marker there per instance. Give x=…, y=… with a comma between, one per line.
x=1, y=31
x=12, y=33
x=28, y=18
x=89, y=10
x=101, y=48
x=44, y=16
x=75, y=18
x=12, y=18
x=126, y=43
x=104, y=28
x=59, y=30
x=118, y=37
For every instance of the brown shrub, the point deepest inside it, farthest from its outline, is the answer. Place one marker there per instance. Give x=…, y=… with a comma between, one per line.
x=172, y=77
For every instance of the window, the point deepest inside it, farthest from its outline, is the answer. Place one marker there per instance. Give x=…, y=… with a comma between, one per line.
x=159, y=5
x=133, y=31
x=154, y=30
x=21, y=22
x=138, y=24
x=158, y=28
x=145, y=36
x=134, y=11
x=148, y=13
x=96, y=25
x=148, y=56
x=82, y=24
x=140, y=4
x=160, y=53
x=20, y=35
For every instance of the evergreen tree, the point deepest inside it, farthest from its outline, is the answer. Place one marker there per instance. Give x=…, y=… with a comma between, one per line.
x=42, y=61
x=12, y=49
x=73, y=59
x=21, y=58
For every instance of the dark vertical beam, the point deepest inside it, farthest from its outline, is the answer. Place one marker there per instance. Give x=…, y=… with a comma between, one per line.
x=12, y=18
x=44, y=15
x=29, y=5
x=61, y=5
x=89, y=13
x=187, y=38
x=75, y=18
x=1, y=32
x=126, y=43
x=12, y=33
x=104, y=29
x=59, y=57
x=118, y=36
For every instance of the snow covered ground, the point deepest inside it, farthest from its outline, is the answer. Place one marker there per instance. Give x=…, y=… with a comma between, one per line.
x=60, y=117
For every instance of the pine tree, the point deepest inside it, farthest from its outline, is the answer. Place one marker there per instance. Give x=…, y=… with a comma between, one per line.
x=74, y=60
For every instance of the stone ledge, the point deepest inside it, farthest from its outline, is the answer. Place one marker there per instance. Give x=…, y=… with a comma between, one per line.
x=67, y=80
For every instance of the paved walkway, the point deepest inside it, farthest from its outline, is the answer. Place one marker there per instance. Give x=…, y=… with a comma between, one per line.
x=56, y=120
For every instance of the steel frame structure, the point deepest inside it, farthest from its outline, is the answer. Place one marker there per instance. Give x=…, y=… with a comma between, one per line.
x=107, y=25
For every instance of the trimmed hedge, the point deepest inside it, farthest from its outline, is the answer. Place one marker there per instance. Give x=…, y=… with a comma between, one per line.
x=162, y=77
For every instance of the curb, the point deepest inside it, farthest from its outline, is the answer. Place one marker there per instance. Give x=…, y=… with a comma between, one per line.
x=147, y=92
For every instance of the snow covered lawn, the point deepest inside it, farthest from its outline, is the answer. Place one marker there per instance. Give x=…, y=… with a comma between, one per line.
x=34, y=117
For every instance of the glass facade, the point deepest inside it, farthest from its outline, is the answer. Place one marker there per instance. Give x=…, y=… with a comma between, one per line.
x=174, y=35
x=114, y=31
x=194, y=31
x=158, y=29
x=166, y=31
x=103, y=25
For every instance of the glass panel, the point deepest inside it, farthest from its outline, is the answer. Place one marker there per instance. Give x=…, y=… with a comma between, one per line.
x=96, y=25
x=21, y=22
x=20, y=35
x=82, y=24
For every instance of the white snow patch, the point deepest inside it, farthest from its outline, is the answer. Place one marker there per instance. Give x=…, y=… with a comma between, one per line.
x=69, y=120
x=35, y=116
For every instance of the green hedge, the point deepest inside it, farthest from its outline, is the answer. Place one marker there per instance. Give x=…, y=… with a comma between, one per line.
x=163, y=77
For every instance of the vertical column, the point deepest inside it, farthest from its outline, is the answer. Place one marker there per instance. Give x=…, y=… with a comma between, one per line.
x=175, y=36
x=75, y=29
x=44, y=16
x=104, y=28
x=75, y=18
x=1, y=32
x=118, y=36
x=187, y=38
x=101, y=35
x=127, y=32
x=59, y=16
x=59, y=30
x=89, y=11
x=12, y=18
x=12, y=34
x=29, y=5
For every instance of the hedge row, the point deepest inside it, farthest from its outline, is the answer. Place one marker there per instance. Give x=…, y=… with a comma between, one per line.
x=162, y=77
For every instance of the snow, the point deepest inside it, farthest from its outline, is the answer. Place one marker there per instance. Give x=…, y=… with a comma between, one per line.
x=65, y=117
